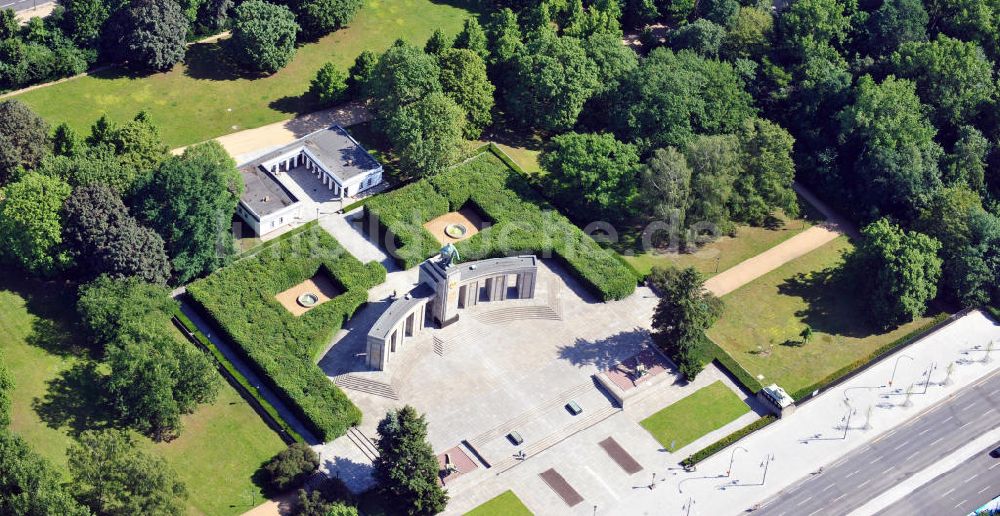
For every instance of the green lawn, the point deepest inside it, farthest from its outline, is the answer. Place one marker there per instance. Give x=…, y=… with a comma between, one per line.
x=761, y=323
x=207, y=98
x=707, y=409
x=220, y=447
x=507, y=504
x=727, y=251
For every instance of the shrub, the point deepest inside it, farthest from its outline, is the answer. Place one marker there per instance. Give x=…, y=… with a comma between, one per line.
x=523, y=223
x=719, y=445
x=291, y=467
x=282, y=347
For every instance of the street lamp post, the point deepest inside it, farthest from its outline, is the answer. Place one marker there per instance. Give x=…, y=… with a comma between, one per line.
x=767, y=461
x=689, y=504
x=893, y=377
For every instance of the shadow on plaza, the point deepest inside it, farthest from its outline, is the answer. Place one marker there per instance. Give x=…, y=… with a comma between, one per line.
x=607, y=352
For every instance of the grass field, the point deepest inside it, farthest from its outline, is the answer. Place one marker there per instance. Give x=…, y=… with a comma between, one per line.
x=762, y=320
x=727, y=251
x=220, y=447
x=507, y=504
x=206, y=97
x=683, y=422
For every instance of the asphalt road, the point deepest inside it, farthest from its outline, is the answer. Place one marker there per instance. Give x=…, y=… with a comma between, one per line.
x=874, y=468
x=20, y=5
x=959, y=491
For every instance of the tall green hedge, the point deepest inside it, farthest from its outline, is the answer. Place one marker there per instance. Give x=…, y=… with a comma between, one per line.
x=522, y=223
x=282, y=347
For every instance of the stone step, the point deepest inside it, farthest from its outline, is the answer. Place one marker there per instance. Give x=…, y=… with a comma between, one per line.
x=515, y=313
x=363, y=443
x=356, y=383
x=512, y=424
x=555, y=438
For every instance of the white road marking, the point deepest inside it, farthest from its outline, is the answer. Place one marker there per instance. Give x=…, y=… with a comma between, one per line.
x=995, y=465
x=970, y=405
x=994, y=391
x=949, y=419
x=817, y=510
x=967, y=423
x=983, y=489
x=887, y=470
x=926, y=430
x=910, y=456
x=972, y=477
x=828, y=487
x=904, y=443
x=876, y=460
x=959, y=504
x=948, y=492
x=851, y=474
x=864, y=483
x=839, y=497
x=939, y=439
x=803, y=501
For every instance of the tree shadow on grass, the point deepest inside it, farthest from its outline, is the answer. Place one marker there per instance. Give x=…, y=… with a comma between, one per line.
x=213, y=61
x=56, y=326
x=74, y=399
x=832, y=306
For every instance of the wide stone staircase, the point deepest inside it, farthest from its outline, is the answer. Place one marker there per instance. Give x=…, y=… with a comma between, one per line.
x=363, y=443
x=366, y=385
x=556, y=437
x=517, y=313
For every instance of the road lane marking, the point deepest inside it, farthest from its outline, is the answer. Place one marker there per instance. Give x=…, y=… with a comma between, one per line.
x=983, y=489
x=965, y=424
x=972, y=477
x=839, y=497
x=970, y=405
x=939, y=439
x=948, y=492
x=949, y=419
x=864, y=483
x=959, y=504
x=887, y=470
x=901, y=445
x=994, y=391
x=851, y=474
x=925, y=431
x=995, y=465
x=817, y=510
x=910, y=456
x=876, y=460
x=803, y=501
x=828, y=487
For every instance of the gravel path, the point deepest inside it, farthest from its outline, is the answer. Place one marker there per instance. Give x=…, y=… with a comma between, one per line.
x=801, y=244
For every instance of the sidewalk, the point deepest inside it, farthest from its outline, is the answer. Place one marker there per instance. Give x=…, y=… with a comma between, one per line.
x=801, y=244
x=798, y=445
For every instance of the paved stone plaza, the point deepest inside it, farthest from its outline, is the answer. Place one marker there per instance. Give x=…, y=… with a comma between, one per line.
x=512, y=366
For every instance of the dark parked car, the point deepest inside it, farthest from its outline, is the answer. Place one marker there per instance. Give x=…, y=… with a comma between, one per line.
x=995, y=453
x=573, y=408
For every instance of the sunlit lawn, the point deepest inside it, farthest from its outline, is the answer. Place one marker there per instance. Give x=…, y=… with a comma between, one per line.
x=762, y=321
x=507, y=504
x=707, y=409
x=220, y=447
x=207, y=98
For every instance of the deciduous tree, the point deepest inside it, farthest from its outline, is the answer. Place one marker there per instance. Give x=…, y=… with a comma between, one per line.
x=291, y=467
x=263, y=36
x=29, y=483
x=765, y=183
x=31, y=225
x=473, y=37
x=427, y=133
x=592, y=176
x=404, y=74
x=897, y=272
x=330, y=85
x=112, y=475
x=463, y=77
x=147, y=34
x=664, y=187
x=320, y=17
x=24, y=139
x=190, y=202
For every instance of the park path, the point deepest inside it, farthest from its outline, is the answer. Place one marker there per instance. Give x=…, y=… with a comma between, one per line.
x=248, y=144
x=801, y=244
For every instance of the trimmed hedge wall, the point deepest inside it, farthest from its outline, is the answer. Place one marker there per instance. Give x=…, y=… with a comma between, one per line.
x=721, y=444
x=283, y=428
x=523, y=223
x=870, y=357
x=715, y=352
x=282, y=347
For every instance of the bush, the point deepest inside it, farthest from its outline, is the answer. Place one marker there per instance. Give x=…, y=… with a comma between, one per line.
x=282, y=347
x=291, y=467
x=329, y=85
x=523, y=223
x=719, y=445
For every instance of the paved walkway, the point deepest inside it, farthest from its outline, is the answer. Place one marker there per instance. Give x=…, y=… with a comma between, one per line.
x=801, y=244
x=246, y=145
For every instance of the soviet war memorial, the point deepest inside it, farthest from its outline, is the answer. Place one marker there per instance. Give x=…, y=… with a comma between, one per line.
x=494, y=257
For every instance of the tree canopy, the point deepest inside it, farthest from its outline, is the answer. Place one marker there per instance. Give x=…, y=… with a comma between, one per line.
x=29, y=483
x=406, y=468
x=591, y=175
x=31, y=224
x=684, y=312
x=427, y=133
x=463, y=78
x=148, y=34
x=24, y=139
x=263, y=36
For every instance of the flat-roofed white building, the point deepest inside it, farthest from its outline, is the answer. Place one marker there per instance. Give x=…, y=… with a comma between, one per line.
x=337, y=160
